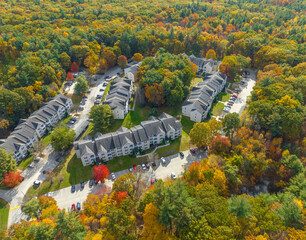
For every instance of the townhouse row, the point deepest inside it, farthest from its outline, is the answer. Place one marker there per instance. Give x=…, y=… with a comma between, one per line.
x=30, y=130
x=125, y=141
x=118, y=97
x=204, y=65
x=201, y=97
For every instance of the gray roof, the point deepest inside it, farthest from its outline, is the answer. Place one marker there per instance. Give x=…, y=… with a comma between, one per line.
x=152, y=127
x=139, y=134
x=170, y=122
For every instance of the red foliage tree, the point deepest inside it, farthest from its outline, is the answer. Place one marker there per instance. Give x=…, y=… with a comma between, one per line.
x=220, y=145
x=74, y=67
x=11, y=179
x=100, y=172
x=120, y=196
x=122, y=61
x=70, y=77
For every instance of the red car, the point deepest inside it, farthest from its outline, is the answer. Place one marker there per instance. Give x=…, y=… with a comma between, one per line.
x=73, y=207
x=192, y=150
x=152, y=181
x=234, y=95
x=135, y=167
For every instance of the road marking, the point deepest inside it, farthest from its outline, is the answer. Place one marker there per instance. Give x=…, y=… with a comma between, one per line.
x=13, y=208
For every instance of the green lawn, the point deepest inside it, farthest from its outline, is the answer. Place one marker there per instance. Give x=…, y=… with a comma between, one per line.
x=46, y=139
x=70, y=171
x=4, y=211
x=217, y=109
x=187, y=124
x=25, y=163
x=223, y=96
x=124, y=162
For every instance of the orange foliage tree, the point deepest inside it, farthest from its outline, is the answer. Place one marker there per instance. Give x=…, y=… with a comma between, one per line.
x=137, y=57
x=122, y=61
x=155, y=94
x=70, y=77
x=11, y=179
x=211, y=54
x=120, y=196
x=220, y=145
x=225, y=68
x=109, y=57
x=100, y=172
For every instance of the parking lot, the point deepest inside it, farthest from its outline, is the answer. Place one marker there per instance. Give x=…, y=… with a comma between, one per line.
x=175, y=163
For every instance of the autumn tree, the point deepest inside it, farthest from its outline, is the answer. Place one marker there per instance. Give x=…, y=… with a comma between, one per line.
x=100, y=173
x=225, y=68
x=109, y=57
x=122, y=61
x=120, y=196
x=81, y=85
x=125, y=183
x=7, y=163
x=69, y=77
x=101, y=116
x=152, y=229
x=65, y=60
x=32, y=208
x=137, y=57
x=211, y=54
x=11, y=179
x=220, y=145
x=74, y=67
x=155, y=94
x=62, y=137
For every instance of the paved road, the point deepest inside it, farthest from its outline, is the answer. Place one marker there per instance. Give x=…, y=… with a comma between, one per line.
x=240, y=103
x=65, y=198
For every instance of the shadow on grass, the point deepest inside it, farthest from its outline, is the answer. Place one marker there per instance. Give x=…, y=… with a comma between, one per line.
x=77, y=172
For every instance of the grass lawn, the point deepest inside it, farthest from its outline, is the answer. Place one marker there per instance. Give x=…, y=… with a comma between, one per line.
x=187, y=124
x=70, y=171
x=25, y=163
x=124, y=162
x=46, y=139
x=195, y=81
x=223, y=96
x=106, y=91
x=217, y=109
x=4, y=211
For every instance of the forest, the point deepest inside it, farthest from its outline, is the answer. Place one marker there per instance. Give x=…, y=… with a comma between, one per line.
x=43, y=42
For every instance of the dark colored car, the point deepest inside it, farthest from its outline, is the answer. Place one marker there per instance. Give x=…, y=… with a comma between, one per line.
x=154, y=164
x=73, y=188
x=182, y=154
x=82, y=185
x=73, y=207
x=37, y=183
x=58, y=159
x=192, y=150
x=78, y=205
x=106, y=76
x=96, y=182
x=91, y=182
x=105, y=84
x=118, y=73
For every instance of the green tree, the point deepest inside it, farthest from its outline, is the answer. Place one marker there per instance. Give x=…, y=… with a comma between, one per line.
x=239, y=206
x=230, y=123
x=293, y=163
x=7, y=163
x=101, y=116
x=62, y=137
x=42, y=231
x=176, y=96
x=125, y=183
x=65, y=61
x=32, y=208
x=81, y=85
x=291, y=214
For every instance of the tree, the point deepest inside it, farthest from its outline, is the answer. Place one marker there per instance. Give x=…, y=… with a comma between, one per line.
x=62, y=137
x=101, y=172
x=290, y=213
x=122, y=61
x=43, y=230
x=109, y=57
x=125, y=183
x=137, y=57
x=240, y=206
x=152, y=229
x=120, y=196
x=230, y=123
x=220, y=145
x=202, y=134
x=46, y=202
x=65, y=60
x=211, y=54
x=74, y=67
x=7, y=163
x=38, y=148
x=32, y=208
x=176, y=96
x=293, y=163
x=225, y=68
x=69, y=77
x=81, y=85
x=11, y=179
x=155, y=94
x=101, y=116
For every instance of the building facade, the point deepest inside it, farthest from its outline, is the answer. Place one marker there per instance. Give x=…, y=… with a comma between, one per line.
x=124, y=141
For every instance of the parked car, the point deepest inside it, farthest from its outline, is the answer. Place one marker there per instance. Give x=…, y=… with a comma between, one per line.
x=82, y=185
x=96, y=182
x=113, y=176
x=173, y=175
x=99, y=96
x=130, y=169
x=85, y=97
x=181, y=154
x=73, y=207
x=148, y=165
x=91, y=182
x=97, y=102
x=89, y=90
x=78, y=205
x=118, y=73
x=234, y=95
x=143, y=166
x=31, y=165
x=226, y=109
x=37, y=183
x=192, y=150
x=106, y=77
x=152, y=181
x=37, y=159
x=101, y=90
x=163, y=160
x=153, y=164
x=135, y=167
x=58, y=160
x=73, y=188
x=105, y=84
x=73, y=120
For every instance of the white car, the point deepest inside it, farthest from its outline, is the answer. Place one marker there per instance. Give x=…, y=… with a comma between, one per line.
x=173, y=175
x=226, y=109
x=113, y=176
x=163, y=160
x=37, y=183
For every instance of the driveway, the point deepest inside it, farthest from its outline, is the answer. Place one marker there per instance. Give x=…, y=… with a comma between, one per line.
x=65, y=198
x=240, y=103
